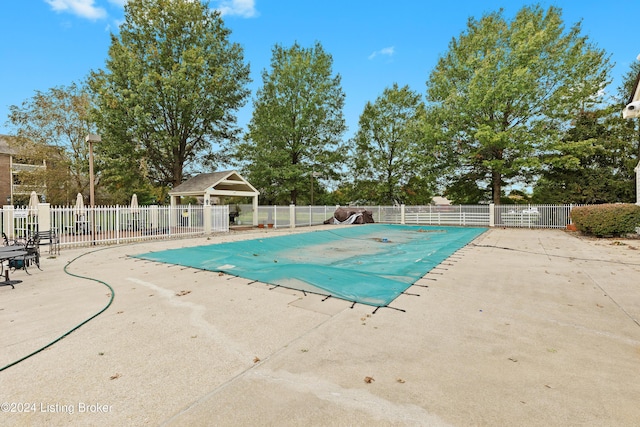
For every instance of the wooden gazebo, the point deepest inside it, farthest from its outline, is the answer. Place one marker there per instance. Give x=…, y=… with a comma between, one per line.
x=211, y=185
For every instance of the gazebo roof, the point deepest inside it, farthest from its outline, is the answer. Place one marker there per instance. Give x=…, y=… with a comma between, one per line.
x=225, y=183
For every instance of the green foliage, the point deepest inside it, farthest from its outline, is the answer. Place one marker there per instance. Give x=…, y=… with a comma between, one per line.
x=607, y=219
x=464, y=190
x=626, y=89
x=625, y=130
x=503, y=91
x=418, y=191
x=296, y=126
x=51, y=128
x=169, y=92
x=593, y=163
x=388, y=164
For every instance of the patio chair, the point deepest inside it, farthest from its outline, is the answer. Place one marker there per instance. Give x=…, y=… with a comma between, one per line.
x=32, y=247
x=7, y=242
x=50, y=238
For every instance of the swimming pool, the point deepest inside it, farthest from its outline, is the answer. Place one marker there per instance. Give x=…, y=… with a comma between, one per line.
x=370, y=264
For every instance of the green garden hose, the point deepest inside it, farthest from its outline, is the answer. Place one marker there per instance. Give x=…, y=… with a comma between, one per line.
x=79, y=325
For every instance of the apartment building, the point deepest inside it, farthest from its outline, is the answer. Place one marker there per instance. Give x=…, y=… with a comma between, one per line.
x=12, y=191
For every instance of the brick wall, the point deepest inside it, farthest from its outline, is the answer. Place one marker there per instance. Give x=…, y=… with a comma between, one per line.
x=5, y=178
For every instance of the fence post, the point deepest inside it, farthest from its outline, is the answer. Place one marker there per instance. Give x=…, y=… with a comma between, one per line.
x=117, y=224
x=402, y=218
x=492, y=215
x=272, y=216
x=254, y=219
x=7, y=219
x=292, y=216
x=637, y=171
x=206, y=218
x=44, y=216
x=154, y=217
x=568, y=215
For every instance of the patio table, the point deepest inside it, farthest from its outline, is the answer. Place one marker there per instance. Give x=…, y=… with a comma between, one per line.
x=8, y=253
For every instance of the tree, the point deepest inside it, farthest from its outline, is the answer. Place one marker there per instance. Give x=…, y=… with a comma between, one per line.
x=505, y=89
x=631, y=128
x=172, y=83
x=51, y=128
x=296, y=125
x=594, y=162
x=387, y=143
x=589, y=164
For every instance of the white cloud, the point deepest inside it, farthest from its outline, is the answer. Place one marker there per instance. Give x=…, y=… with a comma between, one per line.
x=82, y=8
x=388, y=51
x=243, y=8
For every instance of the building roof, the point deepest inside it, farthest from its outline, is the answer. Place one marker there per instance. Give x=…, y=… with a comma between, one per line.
x=225, y=183
x=633, y=105
x=5, y=147
x=440, y=201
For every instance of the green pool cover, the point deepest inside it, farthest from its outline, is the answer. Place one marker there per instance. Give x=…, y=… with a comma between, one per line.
x=370, y=264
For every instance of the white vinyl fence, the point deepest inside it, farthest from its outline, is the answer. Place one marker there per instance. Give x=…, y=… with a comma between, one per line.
x=22, y=223
x=532, y=216
x=472, y=215
x=121, y=224
x=284, y=216
x=489, y=215
x=114, y=224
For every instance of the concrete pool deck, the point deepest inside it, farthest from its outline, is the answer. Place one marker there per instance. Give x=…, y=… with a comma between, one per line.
x=521, y=327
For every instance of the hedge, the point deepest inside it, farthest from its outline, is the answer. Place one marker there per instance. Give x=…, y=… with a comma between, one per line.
x=607, y=220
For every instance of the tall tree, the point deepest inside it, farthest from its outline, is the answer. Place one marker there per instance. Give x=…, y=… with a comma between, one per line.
x=505, y=89
x=296, y=126
x=50, y=128
x=594, y=162
x=625, y=91
x=590, y=164
x=171, y=86
x=387, y=143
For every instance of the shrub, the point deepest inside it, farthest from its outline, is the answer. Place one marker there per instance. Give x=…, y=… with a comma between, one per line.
x=606, y=220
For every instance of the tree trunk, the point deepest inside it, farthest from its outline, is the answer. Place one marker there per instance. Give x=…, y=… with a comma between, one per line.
x=496, y=187
x=177, y=175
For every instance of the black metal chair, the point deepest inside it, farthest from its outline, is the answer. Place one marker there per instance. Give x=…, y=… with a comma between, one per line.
x=7, y=242
x=32, y=247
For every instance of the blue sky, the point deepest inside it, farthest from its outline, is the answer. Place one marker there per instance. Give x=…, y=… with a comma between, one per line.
x=374, y=43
